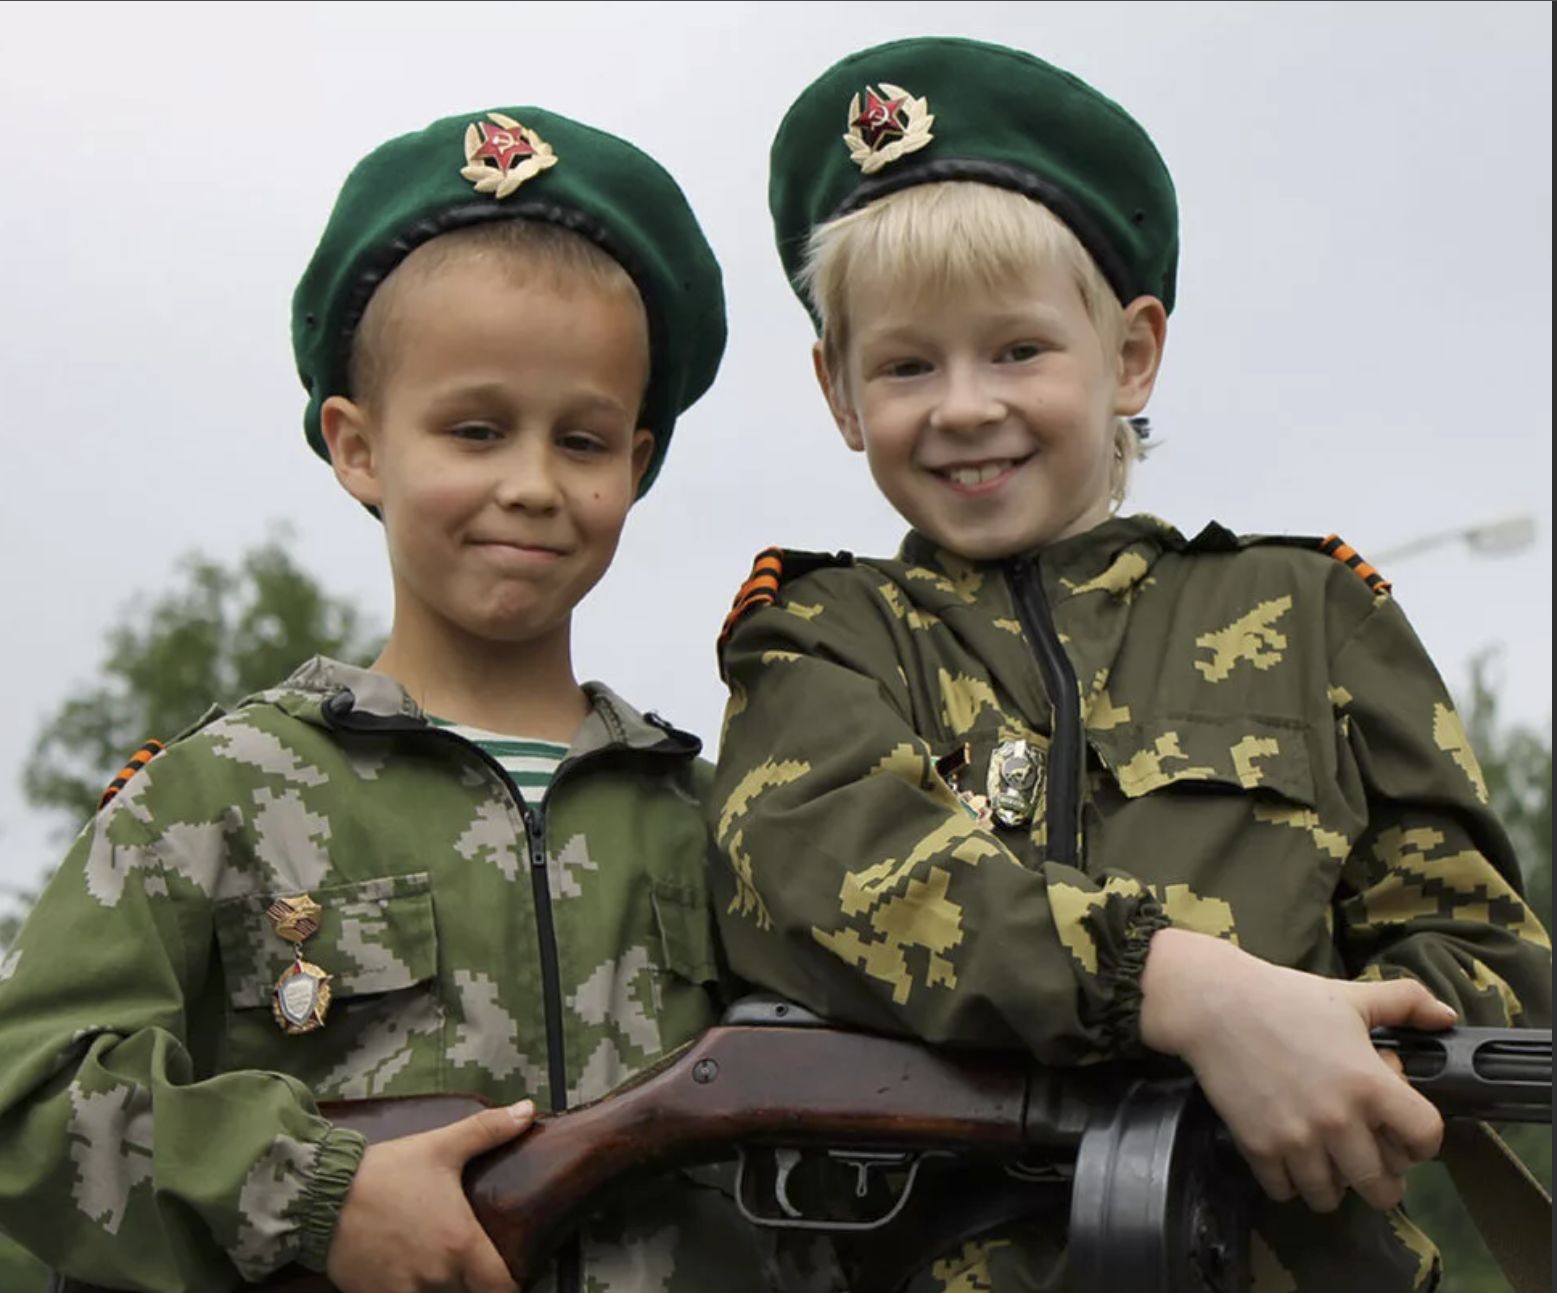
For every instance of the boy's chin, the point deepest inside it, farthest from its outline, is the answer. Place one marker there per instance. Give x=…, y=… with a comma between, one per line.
x=516, y=631
x=1003, y=544
x=486, y=629
x=972, y=545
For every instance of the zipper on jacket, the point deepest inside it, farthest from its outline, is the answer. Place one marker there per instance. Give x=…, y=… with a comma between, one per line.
x=570, y=1260
x=569, y=1256
x=551, y=988
x=1061, y=790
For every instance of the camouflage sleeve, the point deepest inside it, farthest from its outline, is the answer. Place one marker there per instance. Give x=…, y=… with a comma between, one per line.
x=1431, y=888
x=850, y=878
x=123, y=1159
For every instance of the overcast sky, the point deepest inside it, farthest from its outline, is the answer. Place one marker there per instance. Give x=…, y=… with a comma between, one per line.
x=1362, y=341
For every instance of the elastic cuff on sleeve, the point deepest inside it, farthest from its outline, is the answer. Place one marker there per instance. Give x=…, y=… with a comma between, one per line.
x=1122, y=1016
x=335, y=1166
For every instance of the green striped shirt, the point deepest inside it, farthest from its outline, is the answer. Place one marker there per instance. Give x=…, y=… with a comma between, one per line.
x=531, y=764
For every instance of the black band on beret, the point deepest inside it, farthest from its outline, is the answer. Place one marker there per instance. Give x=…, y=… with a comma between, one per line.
x=383, y=263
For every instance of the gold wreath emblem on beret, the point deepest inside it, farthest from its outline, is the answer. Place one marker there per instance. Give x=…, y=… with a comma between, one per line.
x=888, y=124
x=500, y=155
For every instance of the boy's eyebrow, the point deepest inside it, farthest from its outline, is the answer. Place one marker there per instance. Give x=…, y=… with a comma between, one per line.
x=498, y=391
x=1035, y=315
x=595, y=399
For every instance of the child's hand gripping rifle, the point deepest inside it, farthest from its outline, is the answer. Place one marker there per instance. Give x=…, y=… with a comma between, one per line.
x=933, y=1147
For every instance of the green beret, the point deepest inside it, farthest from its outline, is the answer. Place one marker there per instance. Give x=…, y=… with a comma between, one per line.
x=516, y=164
x=940, y=108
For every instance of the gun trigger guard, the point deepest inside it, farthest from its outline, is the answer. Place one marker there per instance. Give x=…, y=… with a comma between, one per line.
x=785, y=1161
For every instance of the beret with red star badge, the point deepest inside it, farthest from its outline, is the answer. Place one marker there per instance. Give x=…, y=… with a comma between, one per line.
x=932, y=109
x=517, y=163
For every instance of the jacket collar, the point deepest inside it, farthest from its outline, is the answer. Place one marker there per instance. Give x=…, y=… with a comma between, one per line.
x=336, y=696
x=1090, y=581
x=1109, y=557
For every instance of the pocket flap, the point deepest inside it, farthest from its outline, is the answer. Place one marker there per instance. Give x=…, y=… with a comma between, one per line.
x=1239, y=752
x=686, y=925
x=374, y=936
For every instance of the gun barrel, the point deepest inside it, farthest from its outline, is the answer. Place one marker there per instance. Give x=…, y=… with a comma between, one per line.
x=1499, y=1074
x=1515, y=1067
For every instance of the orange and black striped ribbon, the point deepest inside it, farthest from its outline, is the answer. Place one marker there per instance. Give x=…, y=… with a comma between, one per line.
x=760, y=589
x=134, y=764
x=1335, y=546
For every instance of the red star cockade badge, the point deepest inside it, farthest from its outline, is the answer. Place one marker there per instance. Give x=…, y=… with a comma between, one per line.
x=500, y=155
x=880, y=118
x=887, y=125
x=502, y=145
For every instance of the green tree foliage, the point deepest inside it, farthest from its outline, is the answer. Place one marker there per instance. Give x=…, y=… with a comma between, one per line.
x=221, y=632
x=1517, y=762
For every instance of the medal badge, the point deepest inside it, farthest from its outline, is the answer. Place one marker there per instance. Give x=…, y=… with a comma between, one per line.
x=1016, y=781
x=951, y=767
x=887, y=124
x=301, y=998
x=500, y=155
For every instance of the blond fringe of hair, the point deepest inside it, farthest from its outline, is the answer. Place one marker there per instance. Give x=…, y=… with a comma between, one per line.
x=526, y=250
x=956, y=238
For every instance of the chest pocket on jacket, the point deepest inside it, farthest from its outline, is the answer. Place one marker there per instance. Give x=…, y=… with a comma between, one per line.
x=685, y=920
x=1241, y=753
x=688, y=988
x=383, y=1031
x=1218, y=816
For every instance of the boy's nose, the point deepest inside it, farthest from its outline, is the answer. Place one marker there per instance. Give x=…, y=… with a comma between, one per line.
x=527, y=482
x=966, y=403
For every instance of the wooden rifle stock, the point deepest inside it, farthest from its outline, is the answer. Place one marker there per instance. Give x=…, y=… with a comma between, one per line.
x=739, y=1084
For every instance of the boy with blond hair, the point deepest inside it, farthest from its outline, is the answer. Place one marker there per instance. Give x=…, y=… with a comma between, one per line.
x=461, y=869
x=1066, y=780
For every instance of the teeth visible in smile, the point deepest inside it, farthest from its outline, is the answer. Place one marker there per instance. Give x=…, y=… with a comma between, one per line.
x=978, y=475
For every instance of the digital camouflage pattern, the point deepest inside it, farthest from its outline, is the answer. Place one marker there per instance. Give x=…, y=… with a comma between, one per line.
x=1265, y=753
x=135, y=1014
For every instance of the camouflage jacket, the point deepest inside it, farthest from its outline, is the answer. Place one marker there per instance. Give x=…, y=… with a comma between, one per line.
x=956, y=800
x=156, y=1125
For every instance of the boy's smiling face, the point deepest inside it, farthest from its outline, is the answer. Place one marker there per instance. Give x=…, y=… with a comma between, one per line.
x=988, y=418
x=501, y=447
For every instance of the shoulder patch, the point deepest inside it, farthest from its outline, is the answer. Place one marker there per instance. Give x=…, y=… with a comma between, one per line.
x=134, y=764
x=1334, y=546
x=769, y=572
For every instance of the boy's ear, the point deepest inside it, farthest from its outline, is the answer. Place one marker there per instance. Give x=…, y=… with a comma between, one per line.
x=642, y=454
x=1140, y=354
x=349, y=436
x=843, y=412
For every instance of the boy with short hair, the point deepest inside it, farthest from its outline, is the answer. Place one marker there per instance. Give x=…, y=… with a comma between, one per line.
x=1069, y=781
x=459, y=870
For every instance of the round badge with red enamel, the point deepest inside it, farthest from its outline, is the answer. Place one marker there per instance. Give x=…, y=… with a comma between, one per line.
x=501, y=154
x=887, y=123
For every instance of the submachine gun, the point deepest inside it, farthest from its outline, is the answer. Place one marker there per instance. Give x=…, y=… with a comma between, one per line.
x=901, y=1151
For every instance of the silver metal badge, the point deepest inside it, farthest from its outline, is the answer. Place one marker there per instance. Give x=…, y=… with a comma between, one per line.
x=1016, y=782
x=301, y=998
